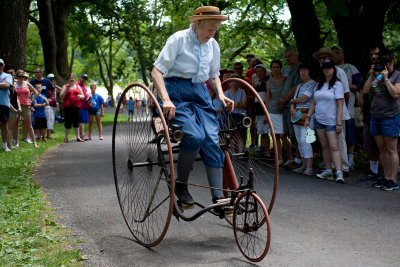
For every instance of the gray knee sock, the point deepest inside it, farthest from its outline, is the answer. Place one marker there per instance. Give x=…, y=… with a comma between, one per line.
x=214, y=176
x=185, y=164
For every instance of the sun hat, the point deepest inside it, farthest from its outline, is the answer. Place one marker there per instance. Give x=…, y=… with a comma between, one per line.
x=326, y=51
x=26, y=75
x=207, y=12
x=51, y=76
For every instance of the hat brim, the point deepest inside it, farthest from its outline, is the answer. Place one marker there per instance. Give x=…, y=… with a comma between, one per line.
x=207, y=17
x=316, y=55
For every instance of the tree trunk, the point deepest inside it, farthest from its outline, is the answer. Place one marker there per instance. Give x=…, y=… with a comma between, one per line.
x=14, y=24
x=305, y=26
x=53, y=32
x=361, y=28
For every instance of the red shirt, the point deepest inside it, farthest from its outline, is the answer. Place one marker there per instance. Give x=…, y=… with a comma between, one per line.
x=248, y=75
x=71, y=98
x=84, y=103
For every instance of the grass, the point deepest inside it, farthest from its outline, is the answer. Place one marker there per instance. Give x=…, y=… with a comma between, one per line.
x=29, y=232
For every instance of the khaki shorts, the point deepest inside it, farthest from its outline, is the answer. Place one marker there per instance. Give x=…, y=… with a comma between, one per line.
x=26, y=110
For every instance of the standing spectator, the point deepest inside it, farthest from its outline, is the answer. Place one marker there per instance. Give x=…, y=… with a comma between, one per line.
x=71, y=96
x=354, y=80
x=15, y=111
x=84, y=109
x=48, y=90
x=292, y=80
x=274, y=90
x=5, y=83
x=369, y=144
x=52, y=109
x=96, y=110
x=238, y=96
x=321, y=55
x=109, y=101
x=327, y=104
x=249, y=73
x=238, y=69
x=261, y=126
x=39, y=115
x=385, y=117
x=24, y=90
x=303, y=98
x=118, y=97
x=131, y=104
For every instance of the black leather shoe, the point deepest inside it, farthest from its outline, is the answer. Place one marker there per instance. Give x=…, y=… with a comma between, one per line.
x=182, y=192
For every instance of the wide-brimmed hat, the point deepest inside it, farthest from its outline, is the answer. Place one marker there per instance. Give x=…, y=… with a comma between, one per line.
x=207, y=12
x=324, y=50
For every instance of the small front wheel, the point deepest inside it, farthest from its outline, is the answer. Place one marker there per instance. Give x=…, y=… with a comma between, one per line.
x=251, y=226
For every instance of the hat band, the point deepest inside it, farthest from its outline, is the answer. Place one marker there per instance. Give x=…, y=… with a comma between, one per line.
x=208, y=13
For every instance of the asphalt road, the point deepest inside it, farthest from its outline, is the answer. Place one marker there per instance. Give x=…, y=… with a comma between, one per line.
x=314, y=222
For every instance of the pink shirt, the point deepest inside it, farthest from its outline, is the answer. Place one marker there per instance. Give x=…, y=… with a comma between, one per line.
x=84, y=103
x=23, y=93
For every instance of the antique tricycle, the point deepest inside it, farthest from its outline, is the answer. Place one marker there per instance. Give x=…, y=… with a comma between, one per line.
x=143, y=150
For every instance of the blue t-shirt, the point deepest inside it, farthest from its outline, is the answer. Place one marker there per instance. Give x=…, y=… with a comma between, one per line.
x=39, y=111
x=95, y=102
x=47, y=86
x=5, y=93
x=130, y=103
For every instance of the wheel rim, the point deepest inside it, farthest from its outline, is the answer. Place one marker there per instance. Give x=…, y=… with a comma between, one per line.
x=265, y=172
x=143, y=187
x=252, y=228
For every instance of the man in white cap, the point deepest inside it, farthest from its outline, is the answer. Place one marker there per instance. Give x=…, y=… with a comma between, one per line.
x=5, y=83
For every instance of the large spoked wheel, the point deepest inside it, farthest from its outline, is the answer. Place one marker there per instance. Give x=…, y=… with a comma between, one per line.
x=143, y=168
x=251, y=227
x=235, y=139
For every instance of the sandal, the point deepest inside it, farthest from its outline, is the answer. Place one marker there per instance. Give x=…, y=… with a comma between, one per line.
x=80, y=140
x=65, y=140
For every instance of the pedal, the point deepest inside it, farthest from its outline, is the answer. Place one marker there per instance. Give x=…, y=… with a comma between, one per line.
x=228, y=213
x=223, y=200
x=184, y=206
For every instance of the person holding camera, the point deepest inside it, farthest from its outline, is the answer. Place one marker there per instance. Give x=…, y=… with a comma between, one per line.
x=71, y=95
x=383, y=84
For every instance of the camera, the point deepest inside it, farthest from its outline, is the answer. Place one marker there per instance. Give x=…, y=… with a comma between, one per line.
x=380, y=65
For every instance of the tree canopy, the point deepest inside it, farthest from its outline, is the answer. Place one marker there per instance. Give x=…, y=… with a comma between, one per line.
x=118, y=41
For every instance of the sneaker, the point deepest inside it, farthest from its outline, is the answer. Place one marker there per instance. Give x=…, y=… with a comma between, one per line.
x=379, y=183
x=28, y=141
x=308, y=172
x=300, y=169
x=252, y=146
x=352, y=166
x=6, y=149
x=325, y=175
x=369, y=176
x=260, y=149
x=101, y=137
x=390, y=185
x=339, y=178
x=321, y=165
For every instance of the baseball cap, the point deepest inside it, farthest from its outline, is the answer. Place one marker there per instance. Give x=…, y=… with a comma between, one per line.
x=260, y=65
x=51, y=76
x=1, y=61
x=84, y=76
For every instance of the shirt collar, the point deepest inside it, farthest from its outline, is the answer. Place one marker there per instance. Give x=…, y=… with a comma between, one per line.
x=192, y=34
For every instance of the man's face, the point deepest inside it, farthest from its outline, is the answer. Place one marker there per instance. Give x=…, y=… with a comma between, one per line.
x=291, y=58
x=82, y=80
x=339, y=56
x=261, y=73
x=323, y=57
x=248, y=59
x=374, y=54
x=238, y=69
x=38, y=74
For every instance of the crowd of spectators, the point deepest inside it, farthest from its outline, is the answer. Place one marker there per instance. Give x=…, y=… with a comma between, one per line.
x=331, y=97
x=33, y=104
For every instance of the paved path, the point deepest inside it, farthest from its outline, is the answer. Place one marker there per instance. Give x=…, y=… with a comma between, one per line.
x=314, y=222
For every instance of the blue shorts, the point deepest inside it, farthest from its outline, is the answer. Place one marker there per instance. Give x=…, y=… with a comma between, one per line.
x=351, y=132
x=385, y=126
x=197, y=116
x=328, y=128
x=95, y=112
x=83, y=115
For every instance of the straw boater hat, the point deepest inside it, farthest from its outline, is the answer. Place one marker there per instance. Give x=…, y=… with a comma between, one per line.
x=326, y=51
x=207, y=12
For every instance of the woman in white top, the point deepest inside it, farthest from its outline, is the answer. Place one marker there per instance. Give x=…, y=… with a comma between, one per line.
x=328, y=107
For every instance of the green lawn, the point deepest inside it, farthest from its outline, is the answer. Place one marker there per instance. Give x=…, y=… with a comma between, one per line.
x=29, y=232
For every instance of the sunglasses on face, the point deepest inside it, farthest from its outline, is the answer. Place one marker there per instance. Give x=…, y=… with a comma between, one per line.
x=37, y=72
x=320, y=58
x=20, y=76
